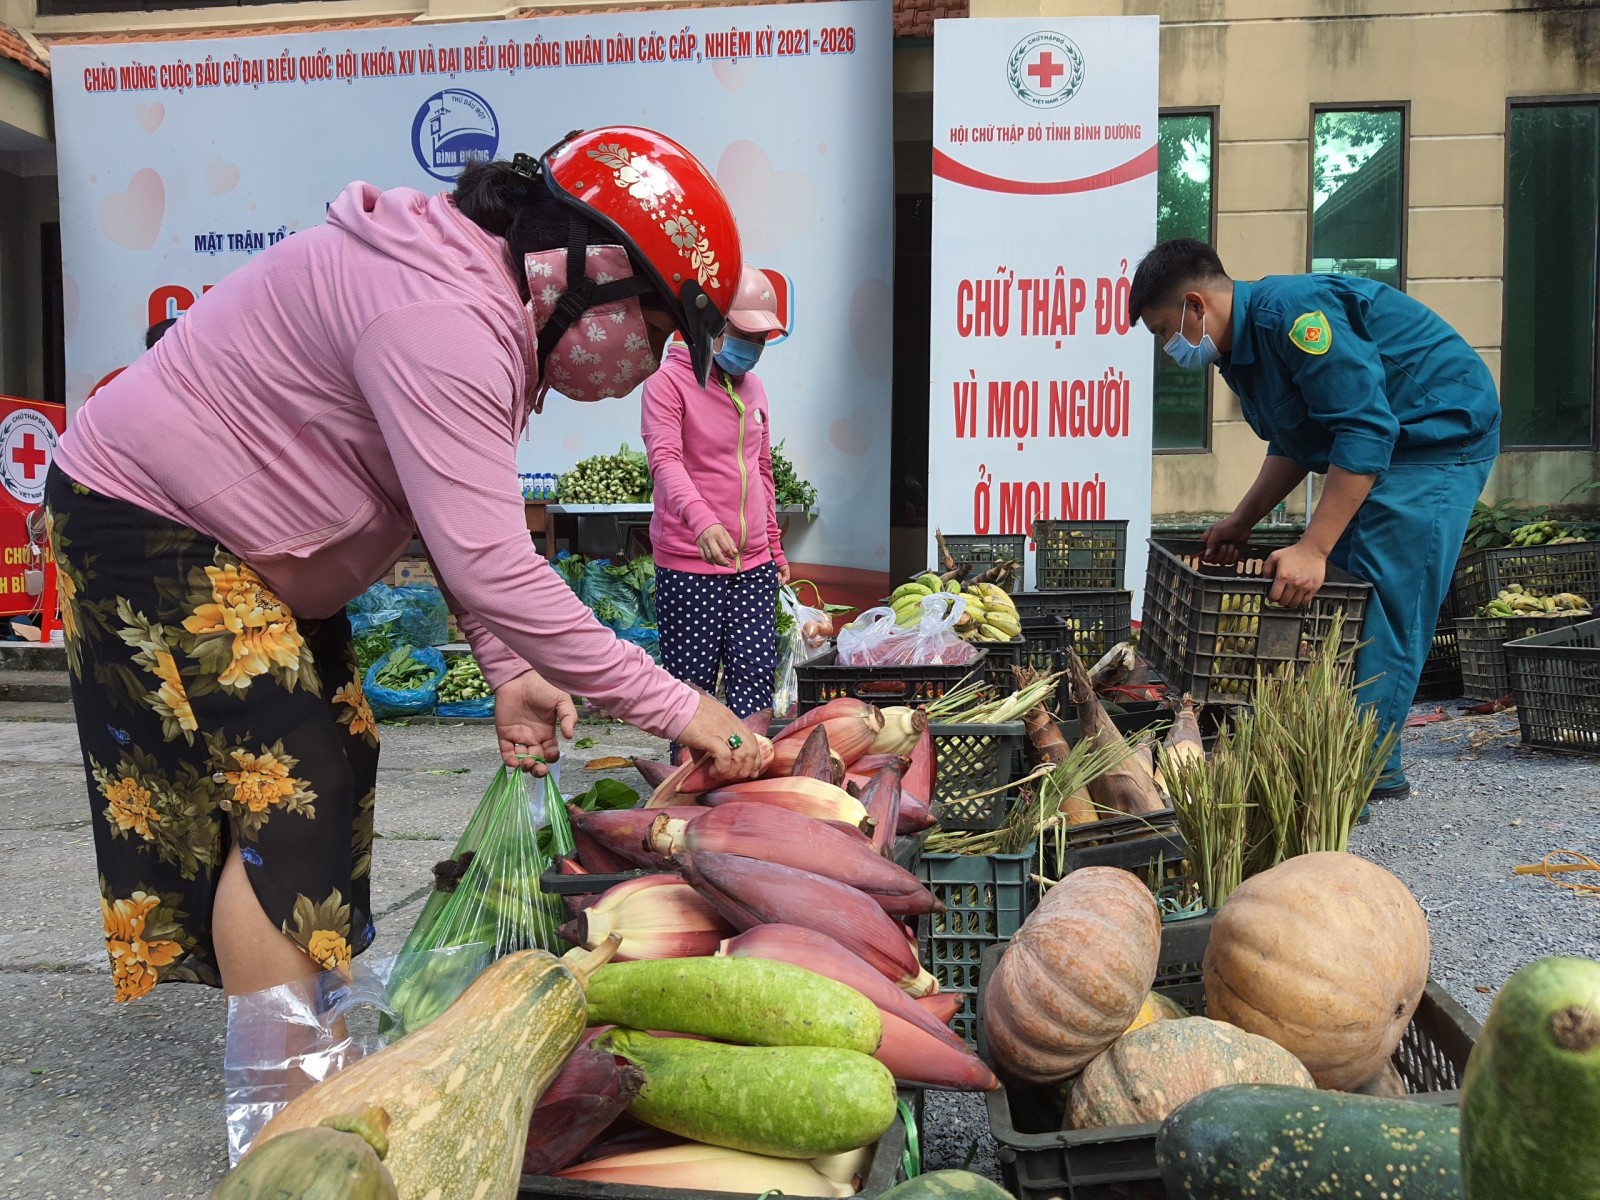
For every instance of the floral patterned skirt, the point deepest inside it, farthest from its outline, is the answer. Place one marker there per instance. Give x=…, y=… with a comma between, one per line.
x=209, y=717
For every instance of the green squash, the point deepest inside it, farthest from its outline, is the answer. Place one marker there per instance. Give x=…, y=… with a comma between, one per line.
x=947, y=1185
x=340, y=1159
x=1530, y=1102
x=1251, y=1141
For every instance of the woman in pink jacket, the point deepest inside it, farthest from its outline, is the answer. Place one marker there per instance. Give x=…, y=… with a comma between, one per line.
x=214, y=508
x=719, y=557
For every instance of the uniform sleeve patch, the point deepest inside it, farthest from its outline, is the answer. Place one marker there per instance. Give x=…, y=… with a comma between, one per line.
x=1311, y=333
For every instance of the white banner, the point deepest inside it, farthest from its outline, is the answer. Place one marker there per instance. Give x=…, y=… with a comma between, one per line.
x=1044, y=198
x=180, y=159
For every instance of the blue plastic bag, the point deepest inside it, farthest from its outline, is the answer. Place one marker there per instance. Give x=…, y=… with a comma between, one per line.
x=608, y=591
x=373, y=609
x=467, y=708
x=424, y=616
x=386, y=702
x=643, y=636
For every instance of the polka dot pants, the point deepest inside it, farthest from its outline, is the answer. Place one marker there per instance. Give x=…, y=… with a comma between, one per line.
x=729, y=622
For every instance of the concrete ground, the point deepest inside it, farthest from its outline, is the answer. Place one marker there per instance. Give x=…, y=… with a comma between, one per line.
x=101, y=1098
x=98, y=1098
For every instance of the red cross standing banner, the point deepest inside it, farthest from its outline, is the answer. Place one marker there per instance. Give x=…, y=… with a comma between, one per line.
x=29, y=430
x=1044, y=199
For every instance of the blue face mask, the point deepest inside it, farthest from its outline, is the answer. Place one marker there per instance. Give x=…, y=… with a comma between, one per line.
x=737, y=356
x=1196, y=355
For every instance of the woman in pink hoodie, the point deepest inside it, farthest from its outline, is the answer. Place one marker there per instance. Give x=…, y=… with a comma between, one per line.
x=214, y=508
x=714, y=532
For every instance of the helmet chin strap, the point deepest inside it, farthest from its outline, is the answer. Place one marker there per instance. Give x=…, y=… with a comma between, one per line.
x=583, y=293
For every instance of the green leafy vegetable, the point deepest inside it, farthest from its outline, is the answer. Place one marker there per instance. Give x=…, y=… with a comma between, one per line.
x=789, y=489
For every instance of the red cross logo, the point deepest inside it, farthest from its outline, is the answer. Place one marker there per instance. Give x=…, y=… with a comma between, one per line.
x=1045, y=69
x=28, y=456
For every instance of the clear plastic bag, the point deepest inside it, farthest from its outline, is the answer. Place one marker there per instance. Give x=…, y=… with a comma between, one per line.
x=285, y=1039
x=872, y=639
x=486, y=892
x=804, y=633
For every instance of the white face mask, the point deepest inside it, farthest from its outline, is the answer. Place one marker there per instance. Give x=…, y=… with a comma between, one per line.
x=1196, y=355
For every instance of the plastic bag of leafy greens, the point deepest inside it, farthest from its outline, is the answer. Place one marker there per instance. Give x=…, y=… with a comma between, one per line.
x=424, y=616
x=607, y=590
x=641, y=574
x=572, y=568
x=374, y=621
x=488, y=891
x=405, y=682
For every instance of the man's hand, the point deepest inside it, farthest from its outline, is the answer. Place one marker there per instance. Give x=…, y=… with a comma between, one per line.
x=783, y=575
x=717, y=548
x=1224, y=539
x=528, y=714
x=1297, y=573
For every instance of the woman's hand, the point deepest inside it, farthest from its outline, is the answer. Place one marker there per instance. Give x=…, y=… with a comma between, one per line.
x=711, y=731
x=528, y=714
x=717, y=548
x=783, y=575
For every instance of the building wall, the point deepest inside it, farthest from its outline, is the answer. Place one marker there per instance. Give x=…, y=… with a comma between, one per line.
x=1263, y=64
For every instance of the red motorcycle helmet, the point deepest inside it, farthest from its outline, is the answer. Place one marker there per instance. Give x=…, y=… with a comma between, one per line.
x=665, y=208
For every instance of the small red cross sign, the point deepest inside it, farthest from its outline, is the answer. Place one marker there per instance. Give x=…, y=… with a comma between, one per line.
x=1044, y=69
x=28, y=456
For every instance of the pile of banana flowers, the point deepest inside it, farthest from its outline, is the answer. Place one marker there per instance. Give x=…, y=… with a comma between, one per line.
x=795, y=866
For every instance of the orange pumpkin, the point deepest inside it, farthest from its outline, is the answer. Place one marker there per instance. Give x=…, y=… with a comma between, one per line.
x=1327, y=955
x=1148, y=1073
x=1074, y=976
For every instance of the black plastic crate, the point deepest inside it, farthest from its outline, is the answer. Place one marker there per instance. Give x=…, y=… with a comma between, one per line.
x=1480, y=577
x=986, y=899
x=983, y=551
x=1555, y=678
x=1080, y=554
x=1441, y=673
x=1481, y=644
x=1267, y=533
x=822, y=679
x=975, y=758
x=1096, y=618
x=1137, y=844
x=1039, y=1160
x=999, y=660
x=885, y=1170
x=1207, y=628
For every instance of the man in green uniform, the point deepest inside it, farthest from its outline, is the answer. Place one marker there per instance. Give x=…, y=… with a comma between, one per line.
x=1355, y=380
